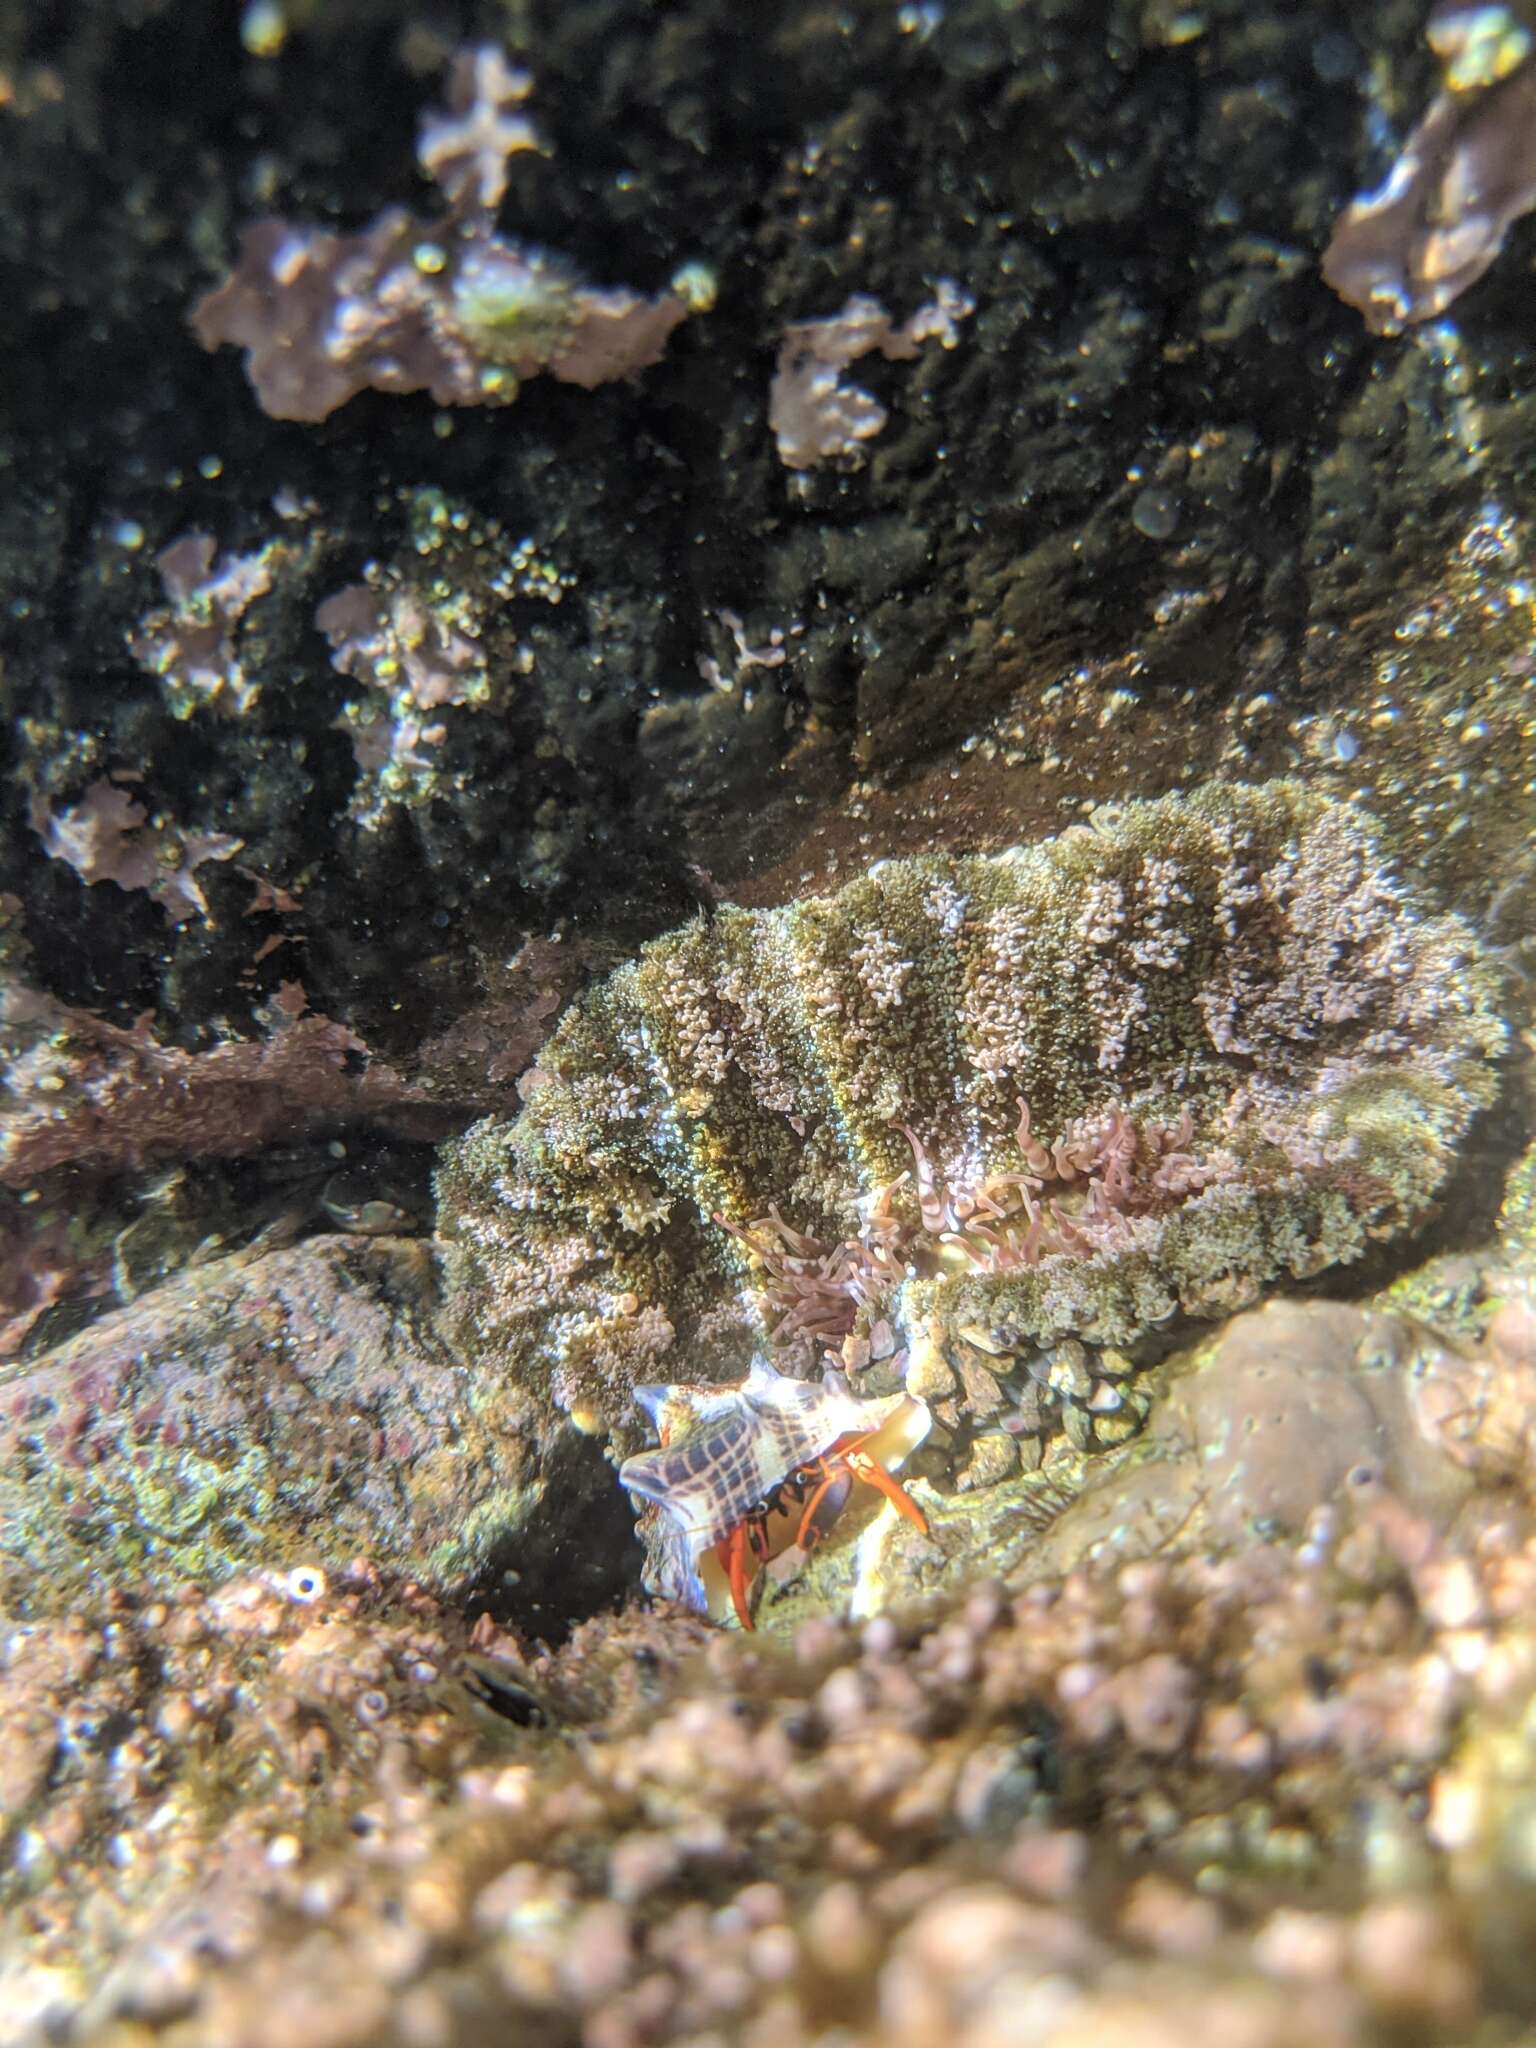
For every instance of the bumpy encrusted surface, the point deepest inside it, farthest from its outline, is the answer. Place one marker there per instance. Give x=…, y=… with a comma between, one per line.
x=1245, y=1052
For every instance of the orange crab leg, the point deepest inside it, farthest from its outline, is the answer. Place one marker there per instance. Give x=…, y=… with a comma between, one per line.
x=732, y=1553
x=823, y=1508
x=863, y=1466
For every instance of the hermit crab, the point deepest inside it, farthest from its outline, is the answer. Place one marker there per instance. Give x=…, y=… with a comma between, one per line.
x=744, y=1473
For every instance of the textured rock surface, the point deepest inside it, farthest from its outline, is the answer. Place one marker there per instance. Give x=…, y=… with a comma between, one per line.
x=1164, y=508
x=1271, y=1796
x=1269, y=1432
x=293, y=1405
x=1164, y=511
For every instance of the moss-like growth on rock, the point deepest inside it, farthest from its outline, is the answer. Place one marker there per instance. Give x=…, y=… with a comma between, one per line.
x=1244, y=1050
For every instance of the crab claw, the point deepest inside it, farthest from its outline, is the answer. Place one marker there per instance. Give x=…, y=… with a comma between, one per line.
x=864, y=1467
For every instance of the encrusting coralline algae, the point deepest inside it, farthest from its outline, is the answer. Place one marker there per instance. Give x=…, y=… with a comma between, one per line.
x=438, y=303
x=977, y=1105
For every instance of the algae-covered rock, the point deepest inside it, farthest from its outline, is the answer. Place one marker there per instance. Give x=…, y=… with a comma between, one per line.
x=1275, y=1428
x=1150, y=1066
x=298, y=1405
x=1276, y=1798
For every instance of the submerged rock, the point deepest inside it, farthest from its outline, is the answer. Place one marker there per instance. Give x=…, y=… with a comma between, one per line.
x=1288, y=1421
x=1275, y=1777
x=966, y=1109
x=1272, y=1798
x=277, y=1409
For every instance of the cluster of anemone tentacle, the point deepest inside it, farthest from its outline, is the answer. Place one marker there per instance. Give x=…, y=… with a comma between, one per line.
x=1071, y=1196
